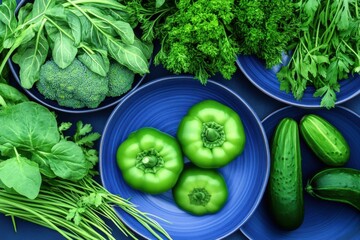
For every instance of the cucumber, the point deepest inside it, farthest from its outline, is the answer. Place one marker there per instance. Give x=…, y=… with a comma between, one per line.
x=285, y=192
x=325, y=140
x=336, y=184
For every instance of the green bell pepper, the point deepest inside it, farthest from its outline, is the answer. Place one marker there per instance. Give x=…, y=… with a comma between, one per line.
x=200, y=191
x=150, y=160
x=211, y=134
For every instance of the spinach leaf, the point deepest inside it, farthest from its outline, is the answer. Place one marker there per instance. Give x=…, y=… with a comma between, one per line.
x=68, y=161
x=111, y=25
x=31, y=59
x=11, y=95
x=42, y=159
x=97, y=62
x=128, y=55
x=22, y=175
x=40, y=7
x=28, y=126
x=7, y=14
x=64, y=51
x=90, y=33
x=146, y=47
x=24, y=12
x=8, y=23
x=75, y=25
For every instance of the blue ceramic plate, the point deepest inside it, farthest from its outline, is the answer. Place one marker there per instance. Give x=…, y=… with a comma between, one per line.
x=267, y=82
x=162, y=104
x=323, y=219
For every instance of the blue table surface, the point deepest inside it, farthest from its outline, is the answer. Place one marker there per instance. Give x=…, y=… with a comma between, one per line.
x=262, y=104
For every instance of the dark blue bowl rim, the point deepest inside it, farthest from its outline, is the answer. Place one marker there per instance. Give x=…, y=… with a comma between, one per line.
x=292, y=103
x=210, y=81
x=285, y=109
x=138, y=79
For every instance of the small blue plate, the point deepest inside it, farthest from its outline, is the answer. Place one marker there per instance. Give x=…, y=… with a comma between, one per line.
x=266, y=80
x=323, y=219
x=162, y=104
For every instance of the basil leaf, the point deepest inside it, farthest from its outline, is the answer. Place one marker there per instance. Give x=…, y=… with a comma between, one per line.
x=64, y=51
x=97, y=62
x=28, y=126
x=68, y=161
x=128, y=55
x=31, y=60
x=22, y=175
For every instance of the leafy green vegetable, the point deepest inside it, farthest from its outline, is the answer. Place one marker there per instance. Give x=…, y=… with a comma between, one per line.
x=265, y=28
x=98, y=61
x=195, y=39
x=95, y=30
x=77, y=210
x=327, y=49
x=21, y=174
x=31, y=143
x=30, y=57
x=10, y=96
x=77, y=86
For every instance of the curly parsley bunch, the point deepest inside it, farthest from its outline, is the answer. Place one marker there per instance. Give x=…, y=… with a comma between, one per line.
x=196, y=39
x=266, y=28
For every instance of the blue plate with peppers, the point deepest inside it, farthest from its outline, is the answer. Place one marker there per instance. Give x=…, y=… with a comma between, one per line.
x=162, y=104
x=266, y=81
x=322, y=219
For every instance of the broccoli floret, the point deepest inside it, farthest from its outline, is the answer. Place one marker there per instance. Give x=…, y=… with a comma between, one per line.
x=75, y=86
x=120, y=80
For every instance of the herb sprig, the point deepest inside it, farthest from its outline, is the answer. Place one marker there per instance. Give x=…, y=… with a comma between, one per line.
x=327, y=50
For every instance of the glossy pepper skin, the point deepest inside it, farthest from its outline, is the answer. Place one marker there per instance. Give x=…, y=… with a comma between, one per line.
x=150, y=160
x=211, y=134
x=200, y=191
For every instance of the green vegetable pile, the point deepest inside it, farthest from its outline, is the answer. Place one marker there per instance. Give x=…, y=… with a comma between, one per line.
x=327, y=49
x=211, y=135
x=204, y=37
x=96, y=32
x=285, y=187
x=77, y=87
x=47, y=177
x=266, y=28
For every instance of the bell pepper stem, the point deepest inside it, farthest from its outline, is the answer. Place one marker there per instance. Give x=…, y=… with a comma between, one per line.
x=149, y=161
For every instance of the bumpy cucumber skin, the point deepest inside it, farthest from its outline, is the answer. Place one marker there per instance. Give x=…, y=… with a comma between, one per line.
x=285, y=192
x=325, y=140
x=336, y=184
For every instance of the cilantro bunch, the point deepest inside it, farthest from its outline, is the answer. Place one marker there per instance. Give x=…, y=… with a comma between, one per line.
x=196, y=40
x=327, y=49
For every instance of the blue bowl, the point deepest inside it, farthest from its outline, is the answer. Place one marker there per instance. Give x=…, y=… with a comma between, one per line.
x=266, y=80
x=323, y=219
x=162, y=104
x=37, y=96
